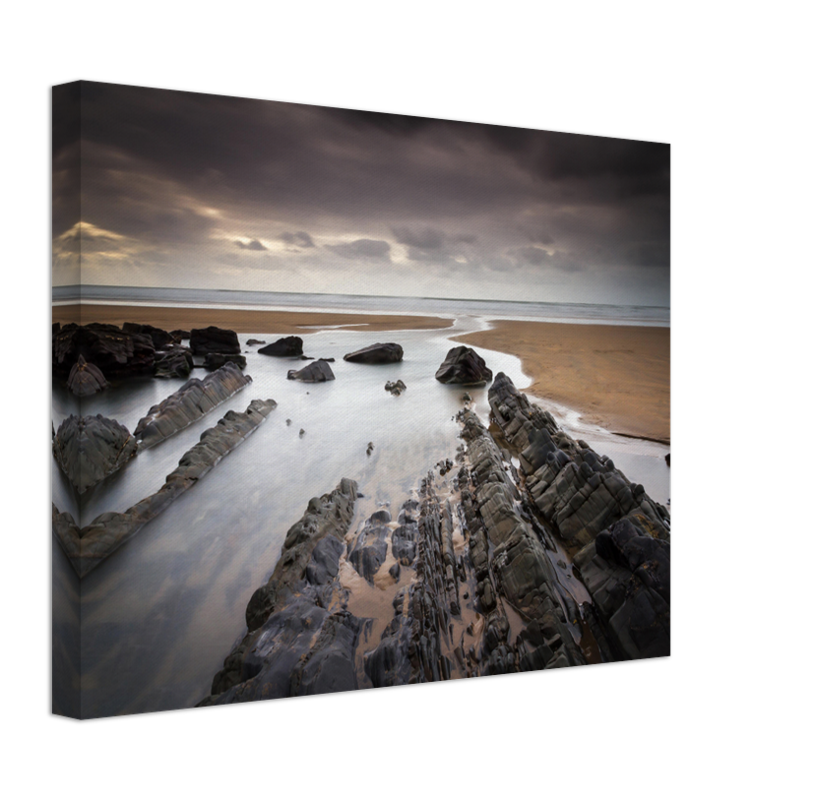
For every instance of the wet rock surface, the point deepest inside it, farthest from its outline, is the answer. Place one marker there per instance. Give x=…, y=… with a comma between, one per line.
x=213, y=340
x=463, y=365
x=379, y=353
x=174, y=363
x=395, y=388
x=317, y=372
x=88, y=449
x=287, y=347
x=194, y=399
x=301, y=639
x=475, y=576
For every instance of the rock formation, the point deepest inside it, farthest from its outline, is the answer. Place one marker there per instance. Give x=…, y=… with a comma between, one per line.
x=252, y=342
x=161, y=339
x=88, y=449
x=395, y=388
x=118, y=354
x=174, y=363
x=388, y=353
x=86, y=379
x=287, y=347
x=463, y=365
x=316, y=372
x=574, y=489
x=213, y=340
x=194, y=399
x=300, y=640
x=86, y=548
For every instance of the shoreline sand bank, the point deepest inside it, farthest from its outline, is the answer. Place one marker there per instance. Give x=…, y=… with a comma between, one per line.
x=617, y=377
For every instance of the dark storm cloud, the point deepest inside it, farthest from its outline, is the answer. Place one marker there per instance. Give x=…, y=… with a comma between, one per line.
x=185, y=176
x=65, y=171
x=299, y=239
x=374, y=249
x=423, y=239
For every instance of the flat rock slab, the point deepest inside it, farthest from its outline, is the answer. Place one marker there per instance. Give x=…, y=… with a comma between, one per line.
x=194, y=399
x=88, y=449
x=316, y=372
x=388, y=353
x=287, y=347
x=463, y=365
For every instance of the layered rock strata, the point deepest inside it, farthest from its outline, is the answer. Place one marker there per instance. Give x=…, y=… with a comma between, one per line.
x=192, y=401
x=300, y=638
x=459, y=585
x=624, y=535
x=89, y=449
x=575, y=490
x=89, y=546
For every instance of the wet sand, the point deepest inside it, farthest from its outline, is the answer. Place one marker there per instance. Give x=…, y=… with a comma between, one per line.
x=242, y=320
x=618, y=377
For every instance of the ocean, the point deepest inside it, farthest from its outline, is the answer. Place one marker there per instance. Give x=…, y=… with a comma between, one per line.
x=576, y=313
x=161, y=614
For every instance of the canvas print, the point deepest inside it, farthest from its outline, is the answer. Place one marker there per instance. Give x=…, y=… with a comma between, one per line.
x=346, y=400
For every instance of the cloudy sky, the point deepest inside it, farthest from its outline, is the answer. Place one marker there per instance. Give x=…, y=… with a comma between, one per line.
x=191, y=190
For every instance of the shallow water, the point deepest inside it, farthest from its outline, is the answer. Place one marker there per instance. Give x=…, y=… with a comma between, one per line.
x=160, y=614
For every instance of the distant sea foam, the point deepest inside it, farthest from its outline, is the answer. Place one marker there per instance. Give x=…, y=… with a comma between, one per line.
x=584, y=313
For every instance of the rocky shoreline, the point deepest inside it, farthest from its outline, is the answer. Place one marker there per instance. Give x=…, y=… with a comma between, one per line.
x=494, y=569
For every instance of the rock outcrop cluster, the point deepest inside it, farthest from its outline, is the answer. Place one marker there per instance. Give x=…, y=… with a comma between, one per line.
x=213, y=340
x=476, y=575
x=89, y=546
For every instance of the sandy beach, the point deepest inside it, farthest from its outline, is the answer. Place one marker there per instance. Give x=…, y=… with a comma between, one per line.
x=616, y=376
x=242, y=320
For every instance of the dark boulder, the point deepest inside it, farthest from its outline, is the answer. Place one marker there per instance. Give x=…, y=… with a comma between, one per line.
x=180, y=334
x=86, y=379
x=287, y=347
x=370, y=546
x=388, y=353
x=316, y=372
x=176, y=363
x=463, y=365
x=161, y=339
x=252, y=342
x=213, y=340
x=88, y=449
